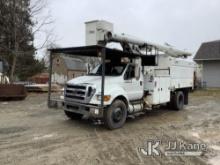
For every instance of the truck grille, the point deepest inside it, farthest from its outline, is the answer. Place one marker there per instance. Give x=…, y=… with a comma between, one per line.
x=79, y=93
x=76, y=93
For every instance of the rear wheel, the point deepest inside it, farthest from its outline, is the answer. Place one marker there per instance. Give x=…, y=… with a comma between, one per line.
x=177, y=101
x=73, y=116
x=115, y=116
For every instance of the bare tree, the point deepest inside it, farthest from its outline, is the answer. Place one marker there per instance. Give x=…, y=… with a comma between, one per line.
x=42, y=19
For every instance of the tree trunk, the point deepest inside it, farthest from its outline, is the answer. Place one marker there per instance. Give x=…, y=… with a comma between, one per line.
x=13, y=65
x=15, y=44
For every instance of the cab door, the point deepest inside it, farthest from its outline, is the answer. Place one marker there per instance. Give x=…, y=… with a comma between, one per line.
x=132, y=85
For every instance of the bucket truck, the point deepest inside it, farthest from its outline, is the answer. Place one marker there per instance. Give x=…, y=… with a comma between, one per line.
x=139, y=77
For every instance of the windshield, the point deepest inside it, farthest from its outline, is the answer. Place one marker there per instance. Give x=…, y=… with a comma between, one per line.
x=110, y=69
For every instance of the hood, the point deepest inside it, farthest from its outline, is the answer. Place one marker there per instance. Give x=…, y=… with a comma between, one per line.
x=95, y=80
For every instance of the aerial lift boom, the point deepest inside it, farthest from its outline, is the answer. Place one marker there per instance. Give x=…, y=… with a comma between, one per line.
x=137, y=46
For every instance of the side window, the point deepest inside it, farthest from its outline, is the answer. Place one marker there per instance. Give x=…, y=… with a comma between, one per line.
x=130, y=73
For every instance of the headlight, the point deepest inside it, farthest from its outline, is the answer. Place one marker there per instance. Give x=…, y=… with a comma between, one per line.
x=106, y=97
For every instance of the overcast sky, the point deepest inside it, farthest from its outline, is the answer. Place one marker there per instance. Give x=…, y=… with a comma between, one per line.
x=181, y=23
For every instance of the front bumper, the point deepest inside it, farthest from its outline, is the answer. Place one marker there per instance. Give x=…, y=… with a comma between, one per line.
x=87, y=110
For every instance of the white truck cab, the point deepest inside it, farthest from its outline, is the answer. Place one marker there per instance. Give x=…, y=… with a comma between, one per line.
x=120, y=81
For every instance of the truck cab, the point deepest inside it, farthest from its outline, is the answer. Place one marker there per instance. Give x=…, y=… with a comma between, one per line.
x=123, y=81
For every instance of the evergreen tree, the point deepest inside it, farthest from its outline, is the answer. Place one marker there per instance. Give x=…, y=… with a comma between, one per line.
x=16, y=39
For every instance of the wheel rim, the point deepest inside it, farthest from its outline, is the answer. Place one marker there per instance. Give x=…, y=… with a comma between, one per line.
x=117, y=115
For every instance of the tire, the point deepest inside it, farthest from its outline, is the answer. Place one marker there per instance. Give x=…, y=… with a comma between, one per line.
x=73, y=116
x=115, y=115
x=177, y=101
x=186, y=97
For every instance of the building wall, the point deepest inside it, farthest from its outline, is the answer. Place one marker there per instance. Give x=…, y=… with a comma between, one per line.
x=59, y=66
x=61, y=74
x=211, y=73
x=75, y=73
x=59, y=78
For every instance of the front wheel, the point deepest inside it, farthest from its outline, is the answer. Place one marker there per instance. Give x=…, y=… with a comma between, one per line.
x=115, y=115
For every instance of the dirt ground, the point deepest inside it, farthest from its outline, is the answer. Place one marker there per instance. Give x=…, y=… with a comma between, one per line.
x=30, y=133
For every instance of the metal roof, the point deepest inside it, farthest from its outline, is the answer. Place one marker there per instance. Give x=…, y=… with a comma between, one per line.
x=208, y=51
x=93, y=51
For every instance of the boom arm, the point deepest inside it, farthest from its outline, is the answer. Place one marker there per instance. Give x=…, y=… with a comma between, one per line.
x=134, y=44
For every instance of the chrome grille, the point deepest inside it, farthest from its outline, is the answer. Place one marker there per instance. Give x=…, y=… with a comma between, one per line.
x=76, y=92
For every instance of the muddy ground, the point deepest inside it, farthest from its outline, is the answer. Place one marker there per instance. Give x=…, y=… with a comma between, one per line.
x=30, y=133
